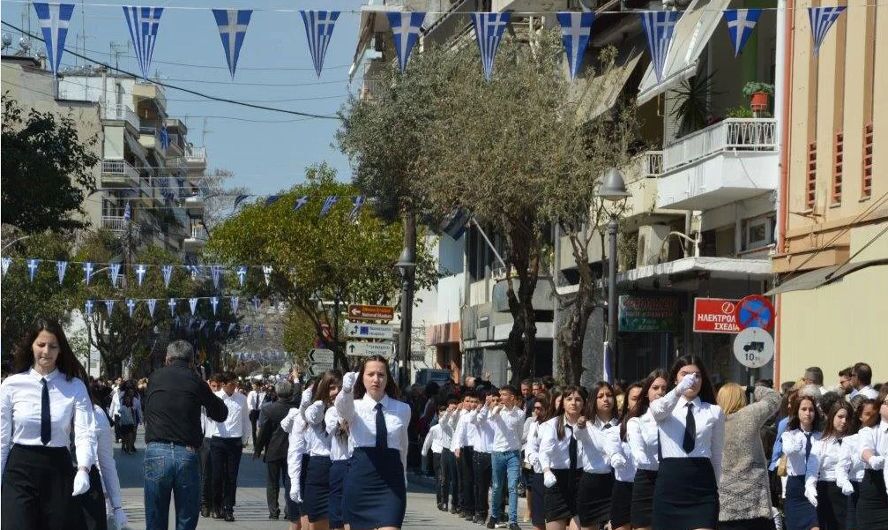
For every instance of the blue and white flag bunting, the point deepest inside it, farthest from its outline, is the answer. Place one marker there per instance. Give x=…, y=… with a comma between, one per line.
x=239, y=199
x=87, y=272
x=231, y=327
x=357, y=203
x=172, y=304
x=141, y=269
x=131, y=306
x=232, y=29
x=822, y=18
x=576, y=28
x=114, y=272
x=266, y=271
x=165, y=144
x=256, y=303
x=329, y=202
x=167, y=272
x=241, y=274
x=127, y=212
x=152, y=303
x=214, y=302
x=300, y=202
x=143, y=23
x=5, y=263
x=318, y=31
x=61, y=267
x=54, y=20
x=32, y=268
x=192, y=303
x=405, y=33
x=658, y=27
x=489, y=28
x=88, y=308
x=234, y=303
x=741, y=22
x=109, y=305
x=217, y=326
x=271, y=199
x=216, y=273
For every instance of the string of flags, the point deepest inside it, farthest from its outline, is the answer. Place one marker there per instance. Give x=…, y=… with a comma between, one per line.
x=330, y=201
x=143, y=23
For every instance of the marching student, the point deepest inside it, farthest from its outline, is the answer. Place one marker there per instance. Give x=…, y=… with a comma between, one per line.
x=850, y=470
x=624, y=475
x=872, y=506
x=316, y=495
x=803, y=429
x=340, y=453
x=449, y=470
x=506, y=420
x=482, y=461
x=642, y=433
x=38, y=406
x=598, y=455
x=255, y=399
x=207, y=499
x=297, y=454
x=274, y=442
x=107, y=468
x=433, y=442
x=691, y=432
x=226, y=448
x=376, y=483
x=465, y=437
x=832, y=505
x=536, y=489
x=559, y=457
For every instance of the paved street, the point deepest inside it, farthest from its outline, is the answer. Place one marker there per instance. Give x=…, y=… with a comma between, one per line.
x=251, y=511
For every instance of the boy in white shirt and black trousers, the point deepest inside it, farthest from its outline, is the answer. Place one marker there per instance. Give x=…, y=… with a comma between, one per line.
x=433, y=441
x=229, y=439
x=465, y=436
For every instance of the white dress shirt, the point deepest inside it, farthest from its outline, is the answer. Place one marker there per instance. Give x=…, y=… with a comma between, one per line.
x=316, y=438
x=873, y=438
x=287, y=422
x=295, y=426
x=506, y=425
x=794, y=443
x=670, y=413
x=555, y=453
x=254, y=400
x=641, y=433
x=115, y=401
x=432, y=441
x=105, y=457
x=867, y=391
x=361, y=417
x=481, y=438
x=466, y=431
x=446, y=432
x=532, y=446
x=850, y=466
x=627, y=472
x=237, y=423
x=825, y=457
x=21, y=398
x=340, y=442
x=595, y=449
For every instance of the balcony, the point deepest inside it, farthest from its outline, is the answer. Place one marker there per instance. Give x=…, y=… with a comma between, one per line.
x=194, y=205
x=149, y=138
x=196, y=241
x=196, y=157
x=119, y=174
x=114, y=223
x=153, y=93
x=733, y=160
x=122, y=113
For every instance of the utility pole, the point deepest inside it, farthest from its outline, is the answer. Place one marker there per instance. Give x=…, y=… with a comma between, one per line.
x=406, y=265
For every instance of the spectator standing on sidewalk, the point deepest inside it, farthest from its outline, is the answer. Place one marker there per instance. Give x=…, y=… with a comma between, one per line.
x=273, y=440
x=173, y=399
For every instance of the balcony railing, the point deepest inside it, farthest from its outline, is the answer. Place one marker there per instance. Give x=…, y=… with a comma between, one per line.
x=196, y=155
x=119, y=168
x=733, y=134
x=122, y=112
x=651, y=163
x=115, y=223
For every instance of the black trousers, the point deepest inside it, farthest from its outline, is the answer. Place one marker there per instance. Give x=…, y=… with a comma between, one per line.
x=254, y=417
x=37, y=484
x=483, y=476
x=450, y=477
x=439, y=477
x=277, y=473
x=467, y=480
x=225, y=454
x=206, y=476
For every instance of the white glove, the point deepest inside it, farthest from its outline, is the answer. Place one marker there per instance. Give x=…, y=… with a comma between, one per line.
x=847, y=487
x=791, y=443
x=618, y=461
x=306, y=397
x=81, y=482
x=348, y=381
x=120, y=518
x=549, y=479
x=497, y=409
x=295, y=495
x=811, y=493
x=877, y=462
x=687, y=382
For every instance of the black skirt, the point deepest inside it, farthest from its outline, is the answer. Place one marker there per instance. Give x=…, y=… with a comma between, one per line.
x=759, y=523
x=537, y=500
x=798, y=512
x=338, y=470
x=872, y=506
x=594, y=498
x=560, y=500
x=851, y=519
x=374, y=491
x=316, y=496
x=36, y=492
x=686, y=495
x=621, y=504
x=643, y=498
x=832, y=506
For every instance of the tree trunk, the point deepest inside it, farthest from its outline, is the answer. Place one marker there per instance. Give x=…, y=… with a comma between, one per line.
x=524, y=254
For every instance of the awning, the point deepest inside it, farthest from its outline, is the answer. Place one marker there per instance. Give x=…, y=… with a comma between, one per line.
x=373, y=20
x=823, y=276
x=692, y=32
x=725, y=268
x=608, y=86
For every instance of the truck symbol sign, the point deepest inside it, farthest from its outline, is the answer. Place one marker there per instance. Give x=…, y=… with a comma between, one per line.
x=755, y=345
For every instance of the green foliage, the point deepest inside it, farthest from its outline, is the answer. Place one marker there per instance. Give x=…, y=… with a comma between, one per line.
x=739, y=112
x=46, y=170
x=299, y=337
x=752, y=87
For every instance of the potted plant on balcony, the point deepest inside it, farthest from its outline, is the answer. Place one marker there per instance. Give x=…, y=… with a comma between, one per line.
x=758, y=94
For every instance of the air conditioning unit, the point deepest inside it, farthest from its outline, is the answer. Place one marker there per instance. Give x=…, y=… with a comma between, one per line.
x=651, y=249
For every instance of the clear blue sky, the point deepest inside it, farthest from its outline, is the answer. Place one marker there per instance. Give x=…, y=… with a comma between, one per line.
x=274, y=69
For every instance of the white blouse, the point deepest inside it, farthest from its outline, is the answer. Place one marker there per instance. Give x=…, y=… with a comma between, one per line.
x=555, y=453
x=595, y=448
x=794, y=443
x=294, y=424
x=432, y=441
x=361, y=417
x=670, y=413
x=825, y=457
x=850, y=466
x=873, y=438
x=340, y=443
x=627, y=472
x=105, y=457
x=21, y=398
x=641, y=433
x=237, y=423
x=316, y=437
x=532, y=446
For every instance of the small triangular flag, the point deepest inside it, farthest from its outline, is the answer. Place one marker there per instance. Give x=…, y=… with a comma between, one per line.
x=61, y=267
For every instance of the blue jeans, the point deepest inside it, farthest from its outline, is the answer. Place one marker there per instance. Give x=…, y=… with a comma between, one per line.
x=172, y=469
x=505, y=464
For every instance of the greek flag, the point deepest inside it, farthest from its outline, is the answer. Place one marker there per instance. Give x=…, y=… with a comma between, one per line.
x=256, y=303
x=271, y=199
x=239, y=199
x=241, y=274
x=114, y=272
x=140, y=273
x=329, y=202
x=822, y=18
x=87, y=271
x=109, y=305
x=152, y=303
x=234, y=303
x=741, y=22
x=214, y=301
x=143, y=23
x=217, y=326
x=266, y=271
x=32, y=268
x=165, y=144
x=216, y=272
x=357, y=203
x=319, y=30
x=192, y=303
x=300, y=202
x=489, y=29
x=232, y=29
x=658, y=26
x=172, y=304
x=167, y=272
x=131, y=306
x=127, y=213
x=576, y=28
x=405, y=32
x=61, y=267
x=88, y=307
x=6, y=262
x=54, y=20
x=231, y=327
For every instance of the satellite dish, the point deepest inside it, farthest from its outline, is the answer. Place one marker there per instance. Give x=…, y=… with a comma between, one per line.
x=24, y=44
x=7, y=41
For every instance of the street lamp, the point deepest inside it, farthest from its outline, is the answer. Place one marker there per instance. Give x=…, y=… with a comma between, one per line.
x=612, y=189
x=406, y=266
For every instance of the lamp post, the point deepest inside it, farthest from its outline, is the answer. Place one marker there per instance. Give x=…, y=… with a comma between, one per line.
x=406, y=266
x=612, y=189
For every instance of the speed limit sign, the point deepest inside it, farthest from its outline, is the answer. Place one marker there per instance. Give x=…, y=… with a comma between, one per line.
x=753, y=347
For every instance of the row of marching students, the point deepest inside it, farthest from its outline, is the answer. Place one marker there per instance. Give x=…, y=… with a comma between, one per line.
x=347, y=452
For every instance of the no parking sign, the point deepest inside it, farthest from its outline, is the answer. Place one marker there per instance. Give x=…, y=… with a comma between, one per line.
x=755, y=311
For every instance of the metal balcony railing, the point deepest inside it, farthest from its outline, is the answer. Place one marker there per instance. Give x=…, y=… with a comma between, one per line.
x=651, y=163
x=196, y=154
x=732, y=134
x=115, y=223
x=119, y=168
x=122, y=112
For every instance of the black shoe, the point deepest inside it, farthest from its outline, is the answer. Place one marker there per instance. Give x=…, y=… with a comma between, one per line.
x=453, y=509
x=275, y=515
x=204, y=511
x=477, y=519
x=442, y=506
x=217, y=514
x=229, y=516
x=514, y=526
x=467, y=516
x=522, y=490
x=491, y=523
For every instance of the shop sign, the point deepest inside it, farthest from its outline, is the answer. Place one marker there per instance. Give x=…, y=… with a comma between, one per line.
x=715, y=315
x=649, y=314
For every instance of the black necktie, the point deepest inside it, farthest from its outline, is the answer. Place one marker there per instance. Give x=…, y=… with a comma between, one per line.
x=807, y=446
x=381, y=431
x=45, y=417
x=607, y=426
x=690, y=436
x=572, y=449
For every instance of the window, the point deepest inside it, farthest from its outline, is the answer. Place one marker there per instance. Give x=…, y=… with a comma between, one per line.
x=867, y=185
x=758, y=232
x=837, y=170
x=811, y=177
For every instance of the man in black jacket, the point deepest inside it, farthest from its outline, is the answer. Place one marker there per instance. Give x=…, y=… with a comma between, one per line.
x=274, y=441
x=172, y=405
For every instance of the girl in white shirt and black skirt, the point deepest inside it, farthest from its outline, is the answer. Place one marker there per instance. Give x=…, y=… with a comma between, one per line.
x=872, y=506
x=691, y=431
x=850, y=469
x=535, y=487
x=643, y=433
x=597, y=483
x=560, y=459
x=832, y=505
x=803, y=429
x=375, y=488
x=316, y=496
x=624, y=475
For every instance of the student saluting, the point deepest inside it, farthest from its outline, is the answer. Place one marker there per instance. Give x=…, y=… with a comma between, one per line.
x=692, y=437
x=375, y=488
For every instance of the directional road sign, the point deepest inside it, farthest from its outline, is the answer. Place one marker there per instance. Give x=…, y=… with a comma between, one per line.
x=366, y=349
x=370, y=312
x=753, y=347
x=320, y=360
x=755, y=311
x=361, y=330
